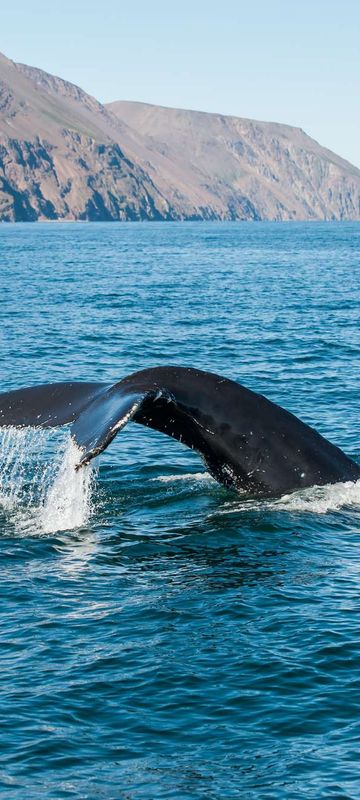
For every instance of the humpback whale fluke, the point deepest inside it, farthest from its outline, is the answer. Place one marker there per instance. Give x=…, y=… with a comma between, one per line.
x=247, y=442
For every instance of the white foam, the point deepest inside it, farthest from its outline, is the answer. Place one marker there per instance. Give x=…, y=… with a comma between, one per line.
x=316, y=499
x=40, y=489
x=186, y=476
x=67, y=503
x=321, y=499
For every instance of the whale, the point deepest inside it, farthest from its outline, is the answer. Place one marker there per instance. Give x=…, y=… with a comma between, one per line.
x=248, y=443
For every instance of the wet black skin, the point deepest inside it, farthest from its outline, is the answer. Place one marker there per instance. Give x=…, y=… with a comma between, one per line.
x=247, y=442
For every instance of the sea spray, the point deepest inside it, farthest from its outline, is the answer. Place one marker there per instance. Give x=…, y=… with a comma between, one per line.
x=68, y=500
x=24, y=474
x=40, y=489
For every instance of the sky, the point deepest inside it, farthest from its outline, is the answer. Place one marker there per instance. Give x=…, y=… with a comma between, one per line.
x=291, y=62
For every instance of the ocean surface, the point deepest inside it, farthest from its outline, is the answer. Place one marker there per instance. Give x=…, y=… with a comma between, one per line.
x=159, y=636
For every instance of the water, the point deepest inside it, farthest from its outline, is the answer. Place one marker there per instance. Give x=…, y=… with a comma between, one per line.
x=161, y=638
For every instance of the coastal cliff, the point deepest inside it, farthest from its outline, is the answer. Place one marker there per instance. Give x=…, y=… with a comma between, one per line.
x=64, y=155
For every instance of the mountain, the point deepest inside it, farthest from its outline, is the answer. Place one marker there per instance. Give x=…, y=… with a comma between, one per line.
x=64, y=155
x=61, y=155
x=242, y=169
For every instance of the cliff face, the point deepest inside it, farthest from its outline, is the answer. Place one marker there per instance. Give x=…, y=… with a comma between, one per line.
x=240, y=168
x=82, y=180
x=63, y=155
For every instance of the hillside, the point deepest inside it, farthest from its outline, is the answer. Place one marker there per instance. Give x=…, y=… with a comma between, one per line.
x=240, y=168
x=60, y=154
x=64, y=155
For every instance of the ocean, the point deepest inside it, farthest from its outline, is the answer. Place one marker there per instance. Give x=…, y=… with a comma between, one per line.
x=161, y=637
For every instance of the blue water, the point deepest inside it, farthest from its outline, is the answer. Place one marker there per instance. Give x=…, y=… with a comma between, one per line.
x=159, y=637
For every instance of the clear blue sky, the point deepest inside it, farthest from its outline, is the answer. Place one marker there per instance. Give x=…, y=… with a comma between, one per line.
x=293, y=62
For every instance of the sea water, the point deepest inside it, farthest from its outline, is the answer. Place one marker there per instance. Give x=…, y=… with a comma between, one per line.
x=161, y=637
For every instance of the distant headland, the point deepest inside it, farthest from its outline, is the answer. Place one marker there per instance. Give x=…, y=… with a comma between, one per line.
x=65, y=156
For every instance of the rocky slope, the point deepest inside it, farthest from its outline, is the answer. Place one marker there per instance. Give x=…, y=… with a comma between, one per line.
x=63, y=155
x=239, y=168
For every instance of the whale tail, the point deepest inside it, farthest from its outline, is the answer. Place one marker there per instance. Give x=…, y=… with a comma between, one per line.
x=246, y=441
x=48, y=405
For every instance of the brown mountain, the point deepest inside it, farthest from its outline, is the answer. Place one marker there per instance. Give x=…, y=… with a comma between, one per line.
x=239, y=168
x=63, y=155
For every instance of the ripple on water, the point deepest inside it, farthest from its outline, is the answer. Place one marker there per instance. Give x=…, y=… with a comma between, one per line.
x=159, y=636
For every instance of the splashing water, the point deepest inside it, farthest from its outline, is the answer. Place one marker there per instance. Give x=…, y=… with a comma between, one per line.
x=42, y=492
x=68, y=501
x=316, y=500
x=321, y=499
x=34, y=499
